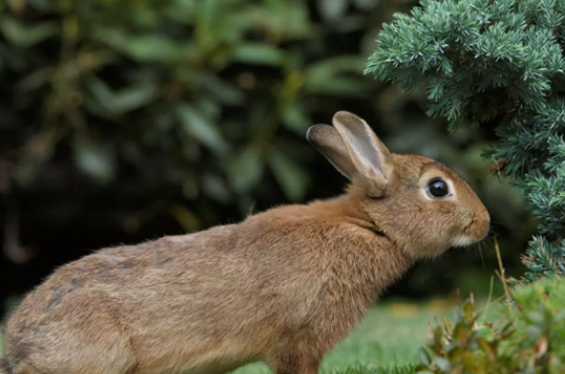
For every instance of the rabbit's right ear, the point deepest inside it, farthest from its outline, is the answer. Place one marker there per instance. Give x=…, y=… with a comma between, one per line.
x=328, y=142
x=372, y=159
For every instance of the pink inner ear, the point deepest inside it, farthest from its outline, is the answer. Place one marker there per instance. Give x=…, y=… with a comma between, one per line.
x=327, y=140
x=366, y=151
x=365, y=146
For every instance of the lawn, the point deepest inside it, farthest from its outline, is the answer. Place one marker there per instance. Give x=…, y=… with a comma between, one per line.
x=386, y=342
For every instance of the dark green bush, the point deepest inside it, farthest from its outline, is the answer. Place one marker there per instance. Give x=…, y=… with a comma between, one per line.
x=499, y=64
x=197, y=98
x=122, y=121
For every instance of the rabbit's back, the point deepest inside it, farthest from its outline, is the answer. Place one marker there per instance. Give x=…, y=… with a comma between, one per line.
x=216, y=293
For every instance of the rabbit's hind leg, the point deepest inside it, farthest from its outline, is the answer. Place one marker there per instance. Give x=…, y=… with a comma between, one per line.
x=295, y=363
x=5, y=367
x=28, y=368
x=72, y=365
x=49, y=367
x=25, y=368
x=83, y=336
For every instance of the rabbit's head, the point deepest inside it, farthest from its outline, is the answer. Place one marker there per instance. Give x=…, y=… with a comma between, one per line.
x=422, y=205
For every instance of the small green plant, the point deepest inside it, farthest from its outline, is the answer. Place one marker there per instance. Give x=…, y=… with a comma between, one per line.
x=531, y=342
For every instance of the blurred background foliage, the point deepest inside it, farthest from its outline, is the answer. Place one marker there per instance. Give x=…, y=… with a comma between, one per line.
x=122, y=121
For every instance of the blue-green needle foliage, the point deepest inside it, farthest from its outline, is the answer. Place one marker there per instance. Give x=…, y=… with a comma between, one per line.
x=499, y=63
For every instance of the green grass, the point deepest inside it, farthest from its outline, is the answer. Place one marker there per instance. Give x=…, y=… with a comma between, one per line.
x=386, y=342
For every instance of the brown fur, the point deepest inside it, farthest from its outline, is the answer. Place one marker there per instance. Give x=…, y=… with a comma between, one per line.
x=284, y=286
x=4, y=367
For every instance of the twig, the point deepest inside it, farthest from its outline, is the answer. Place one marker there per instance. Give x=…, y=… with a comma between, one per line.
x=498, y=166
x=495, y=301
x=502, y=277
x=520, y=309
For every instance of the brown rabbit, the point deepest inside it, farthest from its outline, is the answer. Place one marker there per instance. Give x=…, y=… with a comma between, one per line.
x=283, y=287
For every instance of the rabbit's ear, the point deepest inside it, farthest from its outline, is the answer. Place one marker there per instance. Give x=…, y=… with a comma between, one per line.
x=372, y=159
x=327, y=141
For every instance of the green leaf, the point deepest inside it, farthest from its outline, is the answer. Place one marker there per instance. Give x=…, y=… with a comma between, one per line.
x=181, y=11
x=25, y=36
x=245, y=170
x=222, y=91
x=207, y=10
x=292, y=178
x=111, y=37
x=425, y=356
x=197, y=125
x=215, y=187
x=295, y=118
x=339, y=75
x=534, y=331
x=35, y=80
x=487, y=348
x=97, y=160
x=536, y=317
x=468, y=311
x=319, y=71
x=366, y=4
x=123, y=101
x=332, y=10
x=339, y=86
x=559, y=317
x=460, y=332
x=147, y=48
x=443, y=364
x=437, y=335
x=259, y=54
x=134, y=97
x=154, y=48
x=102, y=95
x=26, y=170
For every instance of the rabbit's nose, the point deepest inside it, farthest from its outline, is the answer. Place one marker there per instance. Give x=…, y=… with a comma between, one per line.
x=482, y=225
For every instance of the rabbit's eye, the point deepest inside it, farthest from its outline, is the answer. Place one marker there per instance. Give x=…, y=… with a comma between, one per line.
x=438, y=188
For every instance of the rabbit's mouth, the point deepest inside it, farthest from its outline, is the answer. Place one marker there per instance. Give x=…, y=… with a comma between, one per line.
x=467, y=229
x=473, y=232
x=464, y=240
x=467, y=237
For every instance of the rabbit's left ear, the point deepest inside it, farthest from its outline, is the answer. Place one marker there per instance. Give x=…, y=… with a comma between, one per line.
x=327, y=141
x=372, y=159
